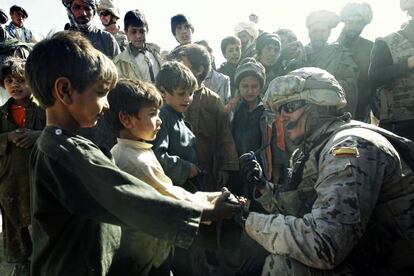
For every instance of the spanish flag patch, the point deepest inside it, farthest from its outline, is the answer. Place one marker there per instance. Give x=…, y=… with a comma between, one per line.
x=345, y=152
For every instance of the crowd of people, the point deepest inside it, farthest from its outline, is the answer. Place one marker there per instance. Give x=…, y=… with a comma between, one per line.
x=287, y=159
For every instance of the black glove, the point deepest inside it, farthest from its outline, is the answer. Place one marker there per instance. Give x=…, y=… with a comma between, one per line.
x=251, y=171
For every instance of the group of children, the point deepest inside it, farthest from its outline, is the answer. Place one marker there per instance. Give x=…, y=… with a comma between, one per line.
x=81, y=201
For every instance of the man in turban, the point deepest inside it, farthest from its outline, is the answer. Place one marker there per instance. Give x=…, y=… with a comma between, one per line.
x=391, y=73
x=81, y=13
x=334, y=58
x=247, y=33
x=355, y=17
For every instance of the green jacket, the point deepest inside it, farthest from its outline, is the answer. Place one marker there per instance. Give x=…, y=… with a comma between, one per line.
x=14, y=169
x=80, y=198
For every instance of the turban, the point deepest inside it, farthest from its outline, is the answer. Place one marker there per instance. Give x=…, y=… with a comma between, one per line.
x=328, y=18
x=357, y=11
x=249, y=27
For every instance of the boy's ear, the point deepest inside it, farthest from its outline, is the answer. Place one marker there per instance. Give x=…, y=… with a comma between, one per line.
x=162, y=91
x=64, y=90
x=198, y=71
x=125, y=119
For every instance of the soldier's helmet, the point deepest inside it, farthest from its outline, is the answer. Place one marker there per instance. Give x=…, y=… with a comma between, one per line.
x=108, y=5
x=313, y=85
x=405, y=5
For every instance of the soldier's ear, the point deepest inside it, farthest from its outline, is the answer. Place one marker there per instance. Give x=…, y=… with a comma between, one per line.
x=63, y=90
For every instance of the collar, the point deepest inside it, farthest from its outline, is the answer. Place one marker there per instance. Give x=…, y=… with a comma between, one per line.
x=136, y=51
x=170, y=109
x=134, y=144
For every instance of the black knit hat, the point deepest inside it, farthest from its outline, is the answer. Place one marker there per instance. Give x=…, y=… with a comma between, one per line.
x=250, y=67
x=267, y=38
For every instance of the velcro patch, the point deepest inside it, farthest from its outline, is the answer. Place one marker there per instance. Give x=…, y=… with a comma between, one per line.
x=345, y=152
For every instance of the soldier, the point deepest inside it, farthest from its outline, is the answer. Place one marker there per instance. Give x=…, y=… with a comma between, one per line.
x=346, y=207
x=355, y=17
x=109, y=16
x=391, y=71
x=333, y=58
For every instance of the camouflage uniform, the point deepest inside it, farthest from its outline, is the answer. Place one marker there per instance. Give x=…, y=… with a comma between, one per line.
x=347, y=206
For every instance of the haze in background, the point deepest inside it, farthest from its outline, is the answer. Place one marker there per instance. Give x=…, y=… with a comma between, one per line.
x=214, y=19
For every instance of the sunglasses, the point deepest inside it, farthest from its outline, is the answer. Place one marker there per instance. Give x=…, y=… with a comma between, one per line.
x=105, y=13
x=292, y=106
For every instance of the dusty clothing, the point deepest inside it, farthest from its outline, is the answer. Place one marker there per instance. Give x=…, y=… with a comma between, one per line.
x=333, y=213
x=175, y=146
x=139, y=251
x=361, y=52
x=121, y=39
x=14, y=182
x=220, y=84
x=255, y=131
x=338, y=61
x=22, y=34
x=215, y=146
x=133, y=63
x=229, y=70
x=393, y=79
x=101, y=40
x=80, y=198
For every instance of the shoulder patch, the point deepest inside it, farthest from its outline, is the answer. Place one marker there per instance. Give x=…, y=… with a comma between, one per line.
x=339, y=151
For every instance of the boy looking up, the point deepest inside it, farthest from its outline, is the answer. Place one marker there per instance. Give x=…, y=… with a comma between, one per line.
x=21, y=121
x=134, y=113
x=79, y=196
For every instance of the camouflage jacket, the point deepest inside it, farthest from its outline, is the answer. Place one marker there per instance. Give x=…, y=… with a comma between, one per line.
x=337, y=202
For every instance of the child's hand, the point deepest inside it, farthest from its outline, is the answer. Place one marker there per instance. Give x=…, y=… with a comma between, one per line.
x=194, y=170
x=13, y=135
x=27, y=138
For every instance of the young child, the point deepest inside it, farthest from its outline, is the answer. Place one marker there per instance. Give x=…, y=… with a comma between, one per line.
x=231, y=50
x=134, y=113
x=253, y=126
x=175, y=142
x=79, y=197
x=140, y=60
x=215, y=149
x=182, y=29
x=21, y=122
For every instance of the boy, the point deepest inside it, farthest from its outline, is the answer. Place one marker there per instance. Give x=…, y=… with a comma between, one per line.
x=79, y=197
x=182, y=29
x=175, y=142
x=252, y=126
x=21, y=121
x=231, y=50
x=140, y=60
x=134, y=114
x=215, y=147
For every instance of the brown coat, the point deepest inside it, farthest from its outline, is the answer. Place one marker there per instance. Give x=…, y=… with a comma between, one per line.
x=215, y=146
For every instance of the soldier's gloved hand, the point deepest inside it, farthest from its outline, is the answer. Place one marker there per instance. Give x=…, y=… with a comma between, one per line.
x=251, y=171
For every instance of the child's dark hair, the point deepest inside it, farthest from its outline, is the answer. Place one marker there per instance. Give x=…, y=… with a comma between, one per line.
x=135, y=18
x=12, y=66
x=229, y=40
x=70, y=55
x=129, y=96
x=196, y=54
x=178, y=20
x=174, y=75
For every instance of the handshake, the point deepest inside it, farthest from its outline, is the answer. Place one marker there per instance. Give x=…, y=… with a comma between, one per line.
x=251, y=171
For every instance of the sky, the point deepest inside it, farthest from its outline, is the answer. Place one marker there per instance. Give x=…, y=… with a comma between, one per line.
x=215, y=19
